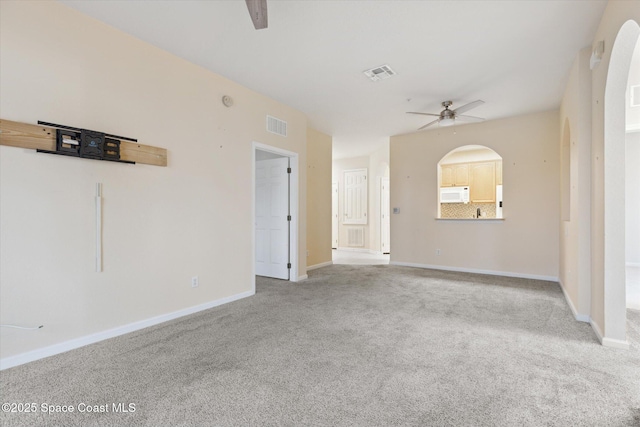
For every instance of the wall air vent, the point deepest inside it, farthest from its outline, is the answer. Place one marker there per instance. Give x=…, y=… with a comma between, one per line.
x=277, y=126
x=355, y=237
x=379, y=73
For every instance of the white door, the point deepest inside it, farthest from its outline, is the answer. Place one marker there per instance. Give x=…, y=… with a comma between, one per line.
x=385, y=216
x=272, y=222
x=334, y=215
x=355, y=196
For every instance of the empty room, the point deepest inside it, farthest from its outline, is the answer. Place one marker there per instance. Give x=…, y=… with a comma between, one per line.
x=301, y=212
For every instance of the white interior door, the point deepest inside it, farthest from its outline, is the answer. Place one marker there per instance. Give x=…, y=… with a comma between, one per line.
x=355, y=196
x=272, y=223
x=385, y=216
x=334, y=215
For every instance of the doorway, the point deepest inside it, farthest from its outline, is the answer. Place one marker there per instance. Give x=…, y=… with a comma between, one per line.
x=334, y=215
x=385, y=216
x=275, y=212
x=632, y=177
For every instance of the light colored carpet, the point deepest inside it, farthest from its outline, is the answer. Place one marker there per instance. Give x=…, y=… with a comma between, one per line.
x=353, y=345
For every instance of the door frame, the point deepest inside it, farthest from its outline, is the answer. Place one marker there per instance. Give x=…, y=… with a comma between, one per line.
x=336, y=219
x=382, y=181
x=293, y=208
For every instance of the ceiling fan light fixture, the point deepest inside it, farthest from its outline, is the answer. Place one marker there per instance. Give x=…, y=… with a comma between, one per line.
x=448, y=117
x=446, y=121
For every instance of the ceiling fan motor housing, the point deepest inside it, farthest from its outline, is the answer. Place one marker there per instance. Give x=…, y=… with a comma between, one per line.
x=446, y=113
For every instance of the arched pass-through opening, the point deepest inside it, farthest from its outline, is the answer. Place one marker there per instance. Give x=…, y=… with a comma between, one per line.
x=615, y=317
x=632, y=189
x=470, y=184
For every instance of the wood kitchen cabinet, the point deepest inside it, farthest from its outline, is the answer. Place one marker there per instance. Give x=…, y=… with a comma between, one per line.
x=482, y=186
x=498, y=172
x=456, y=175
x=446, y=179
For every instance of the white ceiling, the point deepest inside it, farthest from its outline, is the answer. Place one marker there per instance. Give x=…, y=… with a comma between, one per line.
x=514, y=55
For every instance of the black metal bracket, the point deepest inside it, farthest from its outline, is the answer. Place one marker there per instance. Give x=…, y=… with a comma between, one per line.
x=87, y=144
x=53, y=125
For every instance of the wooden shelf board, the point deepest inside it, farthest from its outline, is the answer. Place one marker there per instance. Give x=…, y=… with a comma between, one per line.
x=37, y=137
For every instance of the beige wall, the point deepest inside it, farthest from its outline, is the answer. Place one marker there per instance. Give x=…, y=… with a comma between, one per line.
x=525, y=243
x=161, y=225
x=607, y=196
x=592, y=241
x=575, y=253
x=318, y=197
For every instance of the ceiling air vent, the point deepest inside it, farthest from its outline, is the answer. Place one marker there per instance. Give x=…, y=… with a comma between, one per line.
x=380, y=73
x=277, y=126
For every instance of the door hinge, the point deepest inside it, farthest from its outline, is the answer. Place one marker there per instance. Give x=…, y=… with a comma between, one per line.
x=288, y=265
x=288, y=170
x=288, y=217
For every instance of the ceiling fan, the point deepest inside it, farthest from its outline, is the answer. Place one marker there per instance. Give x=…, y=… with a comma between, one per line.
x=258, y=12
x=448, y=117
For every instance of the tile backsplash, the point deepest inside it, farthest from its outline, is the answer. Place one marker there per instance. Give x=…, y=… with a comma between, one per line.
x=467, y=210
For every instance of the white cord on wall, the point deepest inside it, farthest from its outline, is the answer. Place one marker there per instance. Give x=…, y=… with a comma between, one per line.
x=22, y=327
x=98, y=227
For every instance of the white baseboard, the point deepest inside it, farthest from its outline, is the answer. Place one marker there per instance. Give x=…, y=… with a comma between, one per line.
x=477, y=271
x=41, y=353
x=579, y=317
x=596, y=329
x=300, y=278
x=322, y=264
x=610, y=342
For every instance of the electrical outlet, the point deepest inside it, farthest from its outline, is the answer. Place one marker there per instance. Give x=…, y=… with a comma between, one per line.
x=194, y=282
x=438, y=252
x=307, y=252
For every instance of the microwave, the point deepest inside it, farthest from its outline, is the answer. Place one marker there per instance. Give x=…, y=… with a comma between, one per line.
x=454, y=195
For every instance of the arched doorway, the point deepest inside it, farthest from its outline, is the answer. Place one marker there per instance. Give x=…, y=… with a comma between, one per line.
x=615, y=317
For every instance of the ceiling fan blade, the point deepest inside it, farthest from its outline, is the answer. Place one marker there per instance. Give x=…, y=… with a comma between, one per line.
x=429, y=124
x=472, y=118
x=423, y=114
x=258, y=12
x=468, y=106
